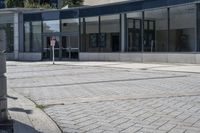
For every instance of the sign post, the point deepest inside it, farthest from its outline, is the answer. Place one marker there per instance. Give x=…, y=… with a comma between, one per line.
x=53, y=42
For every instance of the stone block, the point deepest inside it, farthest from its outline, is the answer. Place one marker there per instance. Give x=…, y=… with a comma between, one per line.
x=112, y=56
x=125, y=57
x=83, y=56
x=133, y=57
x=2, y=40
x=2, y=64
x=198, y=58
x=182, y=58
x=3, y=91
x=30, y=56
x=155, y=57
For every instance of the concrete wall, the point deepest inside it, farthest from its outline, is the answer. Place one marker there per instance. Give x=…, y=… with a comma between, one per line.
x=10, y=56
x=30, y=56
x=143, y=57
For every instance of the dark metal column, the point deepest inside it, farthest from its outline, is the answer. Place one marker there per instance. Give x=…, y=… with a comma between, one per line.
x=198, y=27
x=3, y=84
x=142, y=31
x=168, y=29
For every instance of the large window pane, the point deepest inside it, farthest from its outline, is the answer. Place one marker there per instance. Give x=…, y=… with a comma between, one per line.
x=182, y=29
x=70, y=25
x=109, y=38
x=156, y=31
x=134, y=32
x=32, y=36
x=51, y=26
x=8, y=30
x=91, y=35
x=36, y=36
x=27, y=45
x=83, y=35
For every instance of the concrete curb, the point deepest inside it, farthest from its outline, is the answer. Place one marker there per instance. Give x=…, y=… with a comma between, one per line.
x=27, y=118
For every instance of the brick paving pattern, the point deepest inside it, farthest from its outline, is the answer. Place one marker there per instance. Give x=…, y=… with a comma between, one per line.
x=99, y=99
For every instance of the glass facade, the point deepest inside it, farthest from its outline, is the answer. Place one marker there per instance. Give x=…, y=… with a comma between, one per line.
x=156, y=30
x=166, y=29
x=8, y=30
x=32, y=36
x=27, y=37
x=134, y=29
x=90, y=34
x=51, y=26
x=36, y=36
x=182, y=29
x=2, y=4
x=69, y=25
x=162, y=30
x=100, y=34
x=110, y=33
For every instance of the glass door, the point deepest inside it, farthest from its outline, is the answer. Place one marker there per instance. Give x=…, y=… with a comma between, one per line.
x=70, y=47
x=74, y=47
x=65, y=47
x=47, y=48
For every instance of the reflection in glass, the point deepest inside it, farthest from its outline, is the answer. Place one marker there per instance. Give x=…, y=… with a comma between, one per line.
x=92, y=30
x=156, y=31
x=36, y=36
x=27, y=39
x=182, y=29
x=109, y=38
x=134, y=32
x=51, y=26
x=9, y=36
x=32, y=36
x=70, y=25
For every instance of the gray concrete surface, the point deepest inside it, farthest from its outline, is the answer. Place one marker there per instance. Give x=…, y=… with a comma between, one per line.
x=193, y=58
x=113, y=97
x=27, y=118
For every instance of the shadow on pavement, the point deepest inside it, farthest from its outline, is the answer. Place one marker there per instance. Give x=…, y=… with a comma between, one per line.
x=11, y=97
x=20, y=110
x=23, y=128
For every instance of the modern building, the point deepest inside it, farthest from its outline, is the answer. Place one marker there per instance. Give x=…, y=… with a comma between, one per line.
x=138, y=31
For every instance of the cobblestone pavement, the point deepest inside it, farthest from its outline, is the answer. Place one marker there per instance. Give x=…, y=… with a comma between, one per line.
x=95, y=98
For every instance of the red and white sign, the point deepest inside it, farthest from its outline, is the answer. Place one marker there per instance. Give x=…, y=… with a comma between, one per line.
x=53, y=41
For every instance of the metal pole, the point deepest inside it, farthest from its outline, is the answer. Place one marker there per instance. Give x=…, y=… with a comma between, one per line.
x=53, y=54
x=3, y=85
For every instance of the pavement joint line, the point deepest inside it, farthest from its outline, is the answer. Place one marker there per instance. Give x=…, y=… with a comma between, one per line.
x=67, y=101
x=121, y=123
x=176, y=71
x=87, y=124
x=103, y=81
x=162, y=124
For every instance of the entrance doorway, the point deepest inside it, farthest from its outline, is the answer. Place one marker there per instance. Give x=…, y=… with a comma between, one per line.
x=47, y=49
x=70, y=47
x=66, y=47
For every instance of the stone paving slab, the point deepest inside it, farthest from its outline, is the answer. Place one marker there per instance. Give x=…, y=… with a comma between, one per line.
x=94, y=97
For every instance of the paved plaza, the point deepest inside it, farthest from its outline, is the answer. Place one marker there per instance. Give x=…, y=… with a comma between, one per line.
x=112, y=97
